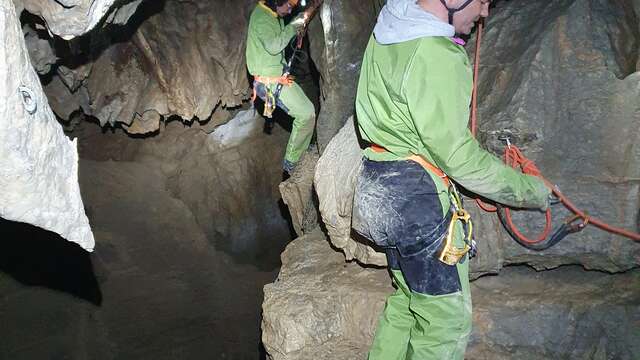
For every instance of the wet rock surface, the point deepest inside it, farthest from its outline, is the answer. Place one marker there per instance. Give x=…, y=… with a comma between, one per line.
x=567, y=313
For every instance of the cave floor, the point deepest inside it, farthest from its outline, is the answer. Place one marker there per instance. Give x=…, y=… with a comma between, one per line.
x=160, y=290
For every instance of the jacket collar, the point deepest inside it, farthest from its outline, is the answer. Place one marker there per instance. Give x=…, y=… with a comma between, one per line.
x=268, y=9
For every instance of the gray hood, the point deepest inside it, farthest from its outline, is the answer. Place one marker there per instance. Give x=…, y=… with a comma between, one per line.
x=404, y=20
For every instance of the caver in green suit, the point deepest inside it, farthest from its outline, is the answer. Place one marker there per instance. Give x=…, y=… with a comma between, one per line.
x=413, y=98
x=267, y=40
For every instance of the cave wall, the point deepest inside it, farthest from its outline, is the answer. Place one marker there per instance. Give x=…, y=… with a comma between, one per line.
x=71, y=18
x=38, y=164
x=568, y=98
x=172, y=58
x=338, y=37
x=158, y=286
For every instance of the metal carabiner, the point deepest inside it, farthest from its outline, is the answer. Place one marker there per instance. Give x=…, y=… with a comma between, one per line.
x=574, y=228
x=454, y=197
x=506, y=138
x=450, y=254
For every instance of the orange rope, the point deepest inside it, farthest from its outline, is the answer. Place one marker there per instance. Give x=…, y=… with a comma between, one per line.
x=474, y=94
x=514, y=157
x=474, y=105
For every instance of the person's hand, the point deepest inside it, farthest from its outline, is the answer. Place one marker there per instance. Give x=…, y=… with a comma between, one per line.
x=551, y=199
x=300, y=20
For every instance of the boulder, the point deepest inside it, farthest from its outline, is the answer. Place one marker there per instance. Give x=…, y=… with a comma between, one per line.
x=323, y=308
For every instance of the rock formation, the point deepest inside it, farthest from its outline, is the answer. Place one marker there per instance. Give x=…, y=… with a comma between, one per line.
x=338, y=39
x=38, y=164
x=71, y=18
x=173, y=58
x=323, y=308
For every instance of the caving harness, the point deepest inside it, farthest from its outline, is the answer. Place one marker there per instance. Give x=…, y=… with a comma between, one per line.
x=270, y=96
x=449, y=253
x=513, y=157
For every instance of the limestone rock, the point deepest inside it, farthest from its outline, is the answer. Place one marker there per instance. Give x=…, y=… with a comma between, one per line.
x=338, y=38
x=40, y=50
x=568, y=96
x=570, y=105
x=323, y=308
x=335, y=181
x=338, y=304
x=73, y=78
x=298, y=194
x=19, y=5
x=122, y=14
x=63, y=102
x=166, y=65
x=71, y=18
x=38, y=164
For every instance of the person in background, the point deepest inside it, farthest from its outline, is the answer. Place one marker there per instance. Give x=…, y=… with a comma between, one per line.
x=267, y=39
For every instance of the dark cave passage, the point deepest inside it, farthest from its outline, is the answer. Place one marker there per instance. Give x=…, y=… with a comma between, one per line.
x=187, y=216
x=164, y=282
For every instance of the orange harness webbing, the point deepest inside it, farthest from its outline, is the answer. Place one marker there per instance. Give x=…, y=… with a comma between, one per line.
x=286, y=80
x=420, y=160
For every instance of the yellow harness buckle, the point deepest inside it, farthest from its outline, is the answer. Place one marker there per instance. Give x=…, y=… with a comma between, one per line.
x=450, y=254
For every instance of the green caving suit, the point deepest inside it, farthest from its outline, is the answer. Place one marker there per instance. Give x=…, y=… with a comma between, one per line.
x=413, y=98
x=267, y=40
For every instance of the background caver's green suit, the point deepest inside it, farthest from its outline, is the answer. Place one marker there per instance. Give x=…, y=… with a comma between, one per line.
x=413, y=98
x=266, y=41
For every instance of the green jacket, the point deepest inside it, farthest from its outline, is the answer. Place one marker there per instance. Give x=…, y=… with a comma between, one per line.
x=266, y=41
x=413, y=98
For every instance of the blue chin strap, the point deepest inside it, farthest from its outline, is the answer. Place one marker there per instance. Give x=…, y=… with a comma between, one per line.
x=453, y=11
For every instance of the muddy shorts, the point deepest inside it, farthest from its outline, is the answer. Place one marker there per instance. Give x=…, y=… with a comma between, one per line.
x=261, y=92
x=397, y=206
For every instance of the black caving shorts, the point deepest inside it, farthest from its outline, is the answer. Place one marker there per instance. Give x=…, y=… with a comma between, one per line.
x=396, y=205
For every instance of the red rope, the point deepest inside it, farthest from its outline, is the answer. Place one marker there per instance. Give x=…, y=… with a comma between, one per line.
x=514, y=157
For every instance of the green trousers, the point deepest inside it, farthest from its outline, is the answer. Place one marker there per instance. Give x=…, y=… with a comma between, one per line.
x=417, y=326
x=301, y=109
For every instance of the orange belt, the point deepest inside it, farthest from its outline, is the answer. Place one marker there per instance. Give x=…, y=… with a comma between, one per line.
x=267, y=80
x=420, y=160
